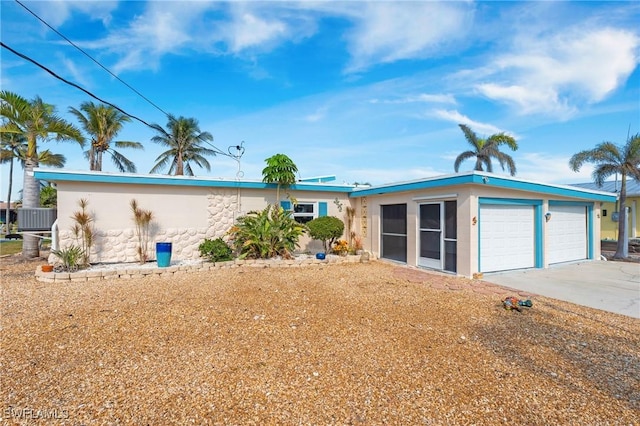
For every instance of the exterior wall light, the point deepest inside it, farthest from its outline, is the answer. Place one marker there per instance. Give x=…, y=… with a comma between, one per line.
x=547, y=216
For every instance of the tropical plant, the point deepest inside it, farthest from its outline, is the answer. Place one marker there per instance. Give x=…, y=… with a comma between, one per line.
x=215, y=250
x=71, y=257
x=486, y=149
x=326, y=229
x=11, y=145
x=265, y=234
x=48, y=196
x=142, y=219
x=610, y=159
x=280, y=170
x=184, y=139
x=83, y=229
x=37, y=122
x=103, y=123
x=341, y=247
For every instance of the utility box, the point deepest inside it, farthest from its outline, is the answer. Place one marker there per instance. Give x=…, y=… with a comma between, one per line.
x=36, y=219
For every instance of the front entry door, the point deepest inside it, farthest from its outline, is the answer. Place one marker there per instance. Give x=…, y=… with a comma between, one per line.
x=431, y=235
x=438, y=226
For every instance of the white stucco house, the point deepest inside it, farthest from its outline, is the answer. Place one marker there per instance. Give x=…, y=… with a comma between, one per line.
x=464, y=223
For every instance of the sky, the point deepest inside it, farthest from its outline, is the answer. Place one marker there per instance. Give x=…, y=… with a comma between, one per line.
x=369, y=91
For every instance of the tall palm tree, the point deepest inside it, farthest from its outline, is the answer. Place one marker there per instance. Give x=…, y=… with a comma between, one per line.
x=103, y=123
x=280, y=170
x=37, y=122
x=486, y=149
x=11, y=146
x=611, y=159
x=183, y=138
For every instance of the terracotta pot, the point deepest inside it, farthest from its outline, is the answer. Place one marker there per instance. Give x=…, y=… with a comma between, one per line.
x=47, y=268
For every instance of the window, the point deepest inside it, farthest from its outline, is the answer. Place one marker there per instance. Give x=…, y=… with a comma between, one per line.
x=304, y=212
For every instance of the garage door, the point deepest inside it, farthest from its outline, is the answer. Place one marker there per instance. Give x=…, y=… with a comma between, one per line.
x=567, y=234
x=507, y=238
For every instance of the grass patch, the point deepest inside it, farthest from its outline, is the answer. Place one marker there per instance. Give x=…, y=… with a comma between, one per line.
x=10, y=247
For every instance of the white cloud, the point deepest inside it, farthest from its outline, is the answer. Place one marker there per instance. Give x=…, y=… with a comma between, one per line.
x=423, y=97
x=549, y=168
x=459, y=118
x=57, y=12
x=552, y=75
x=386, y=32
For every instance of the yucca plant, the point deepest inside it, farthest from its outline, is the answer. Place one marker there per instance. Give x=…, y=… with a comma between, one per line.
x=83, y=230
x=265, y=234
x=142, y=219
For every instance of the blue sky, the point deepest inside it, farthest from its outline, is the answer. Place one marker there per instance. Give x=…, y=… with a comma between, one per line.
x=367, y=91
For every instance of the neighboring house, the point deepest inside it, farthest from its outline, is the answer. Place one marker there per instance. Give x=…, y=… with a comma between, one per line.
x=610, y=210
x=12, y=212
x=462, y=223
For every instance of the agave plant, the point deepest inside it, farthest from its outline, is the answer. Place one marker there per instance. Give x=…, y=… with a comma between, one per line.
x=265, y=234
x=71, y=257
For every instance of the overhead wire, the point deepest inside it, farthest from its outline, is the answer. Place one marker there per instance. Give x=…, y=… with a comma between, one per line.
x=91, y=57
x=38, y=64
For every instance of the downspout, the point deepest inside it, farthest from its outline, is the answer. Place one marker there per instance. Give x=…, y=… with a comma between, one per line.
x=54, y=236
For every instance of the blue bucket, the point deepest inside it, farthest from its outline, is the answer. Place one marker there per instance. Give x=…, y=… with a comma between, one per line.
x=163, y=254
x=320, y=256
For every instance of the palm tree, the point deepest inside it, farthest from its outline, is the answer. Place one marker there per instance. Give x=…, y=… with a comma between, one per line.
x=281, y=170
x=11, y=145
x=103, y=123
x=486, y=149
x=611, y=159
x=183, y=139
x=37, y=122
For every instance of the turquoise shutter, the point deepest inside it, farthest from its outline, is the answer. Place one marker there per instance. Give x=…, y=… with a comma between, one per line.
x=322, y=209
x=286, y=205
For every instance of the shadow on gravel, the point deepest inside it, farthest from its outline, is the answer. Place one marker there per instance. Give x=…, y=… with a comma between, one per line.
x=585, y=348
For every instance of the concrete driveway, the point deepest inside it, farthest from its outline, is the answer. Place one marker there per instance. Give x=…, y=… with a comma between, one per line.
x=609, y=286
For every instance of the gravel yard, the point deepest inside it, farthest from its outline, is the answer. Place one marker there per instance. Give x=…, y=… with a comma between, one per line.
x=332, y=344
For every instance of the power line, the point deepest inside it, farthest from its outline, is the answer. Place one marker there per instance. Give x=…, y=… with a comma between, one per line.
x=33, y=61
x=90, y=57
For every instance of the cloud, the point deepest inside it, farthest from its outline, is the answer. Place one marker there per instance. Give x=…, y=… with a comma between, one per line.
x=423, y=97
x=387, y=32
x=552, y=75
x=458, y=118
x=57, y=12
x=549, y=168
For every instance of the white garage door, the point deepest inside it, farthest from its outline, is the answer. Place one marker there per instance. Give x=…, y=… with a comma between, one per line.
x=567, y=234
x=506, y=237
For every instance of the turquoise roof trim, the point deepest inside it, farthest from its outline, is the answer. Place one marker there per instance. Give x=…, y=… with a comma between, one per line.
x=488, y=179
x=128, y=178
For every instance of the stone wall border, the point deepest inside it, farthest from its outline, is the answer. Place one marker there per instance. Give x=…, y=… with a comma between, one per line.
x=135, y=271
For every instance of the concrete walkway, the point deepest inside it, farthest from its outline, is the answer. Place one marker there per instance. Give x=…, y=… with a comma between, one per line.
x=609, y=286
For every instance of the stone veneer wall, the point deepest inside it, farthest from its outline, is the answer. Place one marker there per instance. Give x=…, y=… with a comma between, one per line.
x=121, y=245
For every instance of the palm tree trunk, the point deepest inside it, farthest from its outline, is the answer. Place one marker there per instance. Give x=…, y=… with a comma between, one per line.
x=8, y=217
x=30, y=199
x=622, y=248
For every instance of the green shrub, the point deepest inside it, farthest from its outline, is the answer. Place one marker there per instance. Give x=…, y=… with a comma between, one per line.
x=326, y=229
x=265, y=234
x=215, y=250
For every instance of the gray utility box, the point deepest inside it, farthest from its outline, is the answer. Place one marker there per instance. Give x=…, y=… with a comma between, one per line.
x=36, y=219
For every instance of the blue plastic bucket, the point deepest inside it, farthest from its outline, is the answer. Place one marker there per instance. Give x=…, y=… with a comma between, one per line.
x=320, y=256
x=163, y=254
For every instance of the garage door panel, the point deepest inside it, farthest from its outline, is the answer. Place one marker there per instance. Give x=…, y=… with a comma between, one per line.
x=507, y=237
x=567, y=234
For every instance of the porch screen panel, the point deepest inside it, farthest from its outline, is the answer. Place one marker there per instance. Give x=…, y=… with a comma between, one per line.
x=450, y=235
x=394, y=232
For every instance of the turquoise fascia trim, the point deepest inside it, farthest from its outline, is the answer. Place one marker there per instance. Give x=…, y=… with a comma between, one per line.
x=53, y=176
x=507, y=201
x=412, y=186
x=538, y=238
x=484, y=179
x=319, y=179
